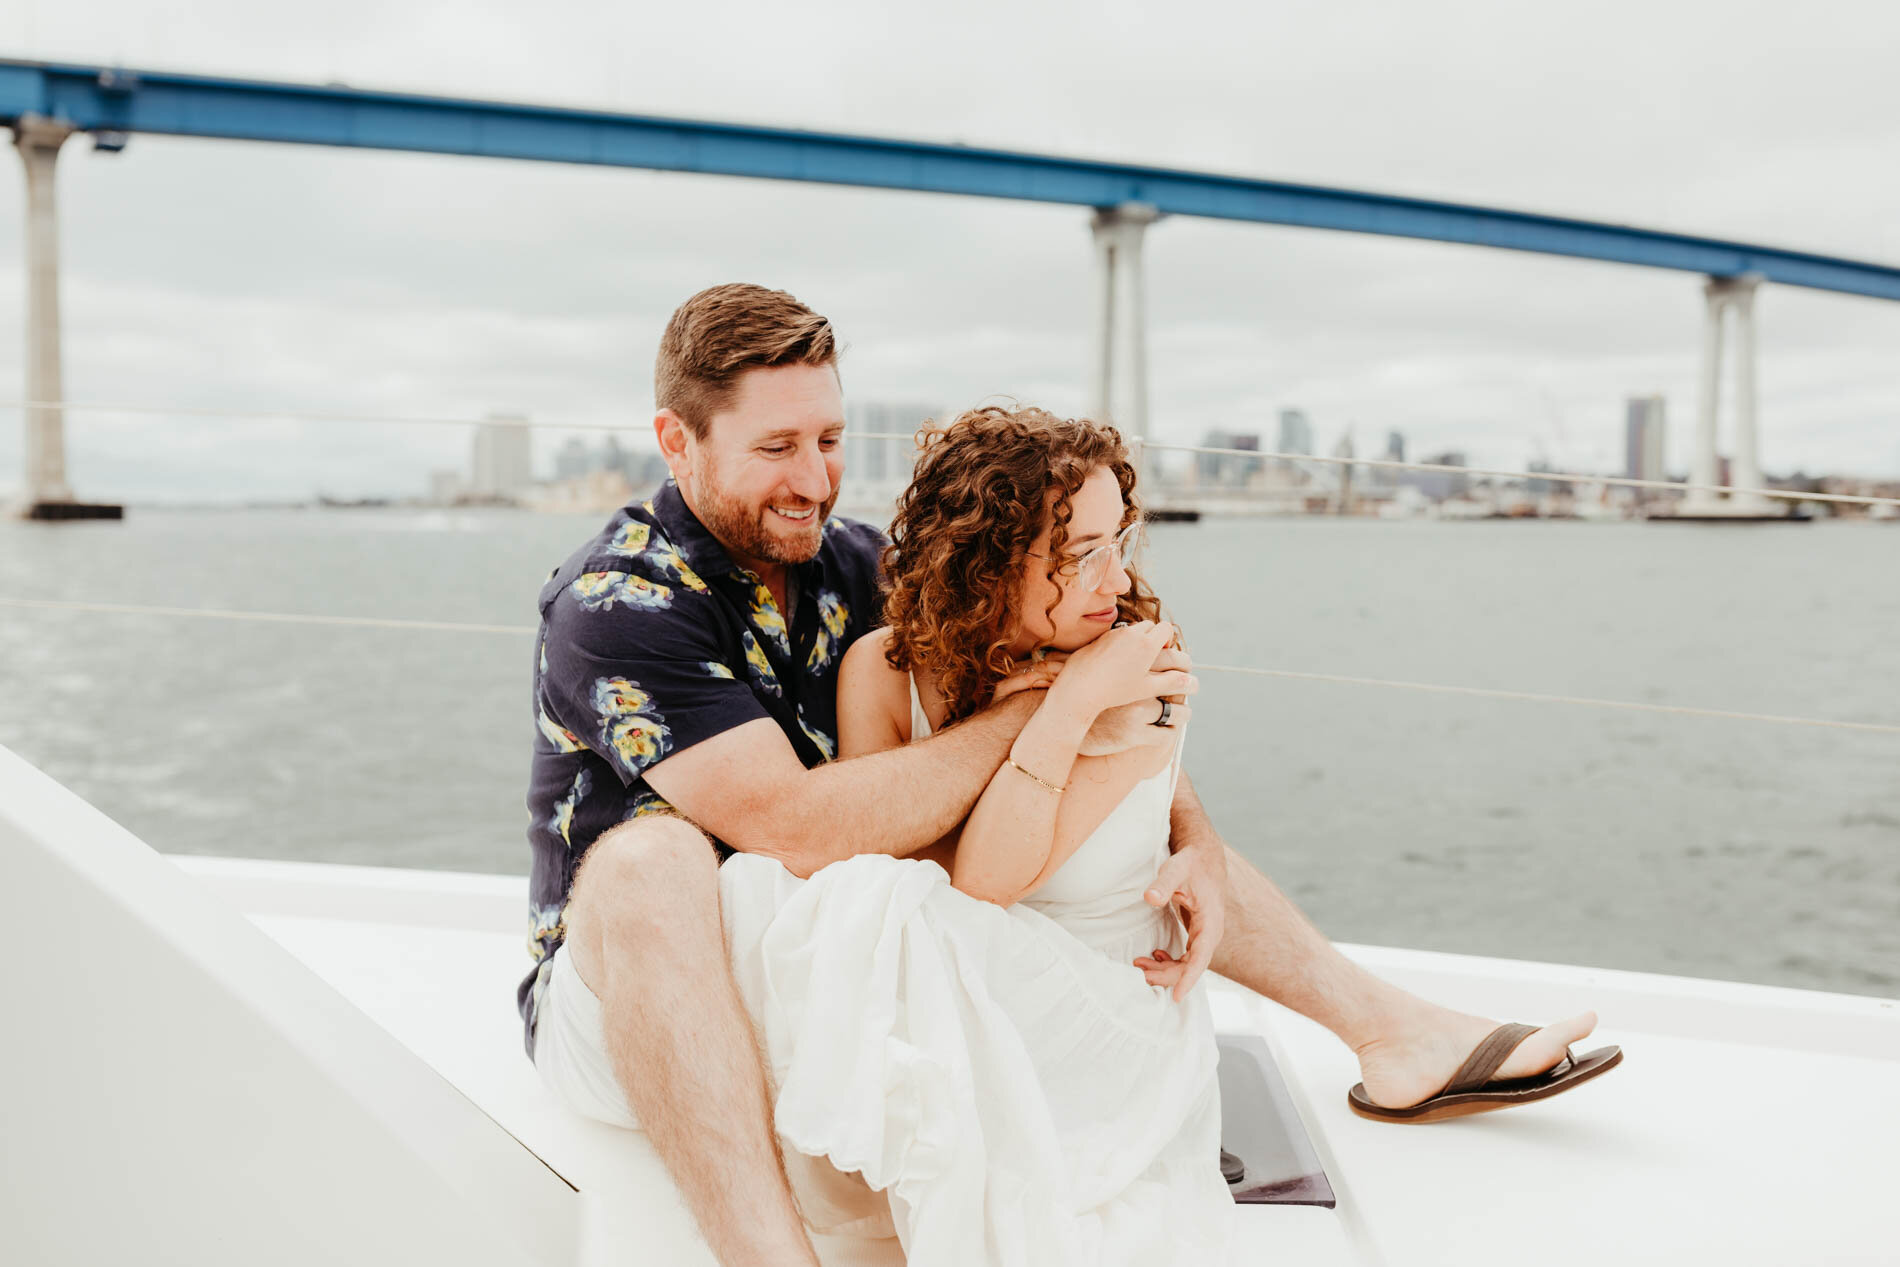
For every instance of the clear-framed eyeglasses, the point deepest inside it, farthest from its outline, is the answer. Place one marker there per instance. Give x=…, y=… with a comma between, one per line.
x=1092, y=569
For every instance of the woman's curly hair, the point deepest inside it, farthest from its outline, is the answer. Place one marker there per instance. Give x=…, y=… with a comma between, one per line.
x=976, y=502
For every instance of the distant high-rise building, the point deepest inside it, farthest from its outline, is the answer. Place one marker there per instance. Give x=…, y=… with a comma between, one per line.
x=1296, y=436
x=1643, y=434
x=1344, y=449
x=882, y=461
x=1228, y=469
x=502, y=464
x=573, y=461
x=1394, y=452
x=1438, y=485
x=445, y=486
x=616, y=459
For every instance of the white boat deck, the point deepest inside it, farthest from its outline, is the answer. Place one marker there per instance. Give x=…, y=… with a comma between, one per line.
x=348, y=1084
x=1755, y=1124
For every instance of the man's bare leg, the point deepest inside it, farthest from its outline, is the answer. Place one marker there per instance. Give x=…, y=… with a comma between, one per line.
x=1408, y=1048
x=644, y=928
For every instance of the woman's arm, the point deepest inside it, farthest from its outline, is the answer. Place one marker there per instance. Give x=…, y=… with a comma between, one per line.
x=1011, y=831
x=1025, y=824
x=874, y=714
x=873, y=699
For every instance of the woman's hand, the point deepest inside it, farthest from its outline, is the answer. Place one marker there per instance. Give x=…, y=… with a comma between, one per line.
x=1037, y=675
x=1119, y=668
x=1134, y=725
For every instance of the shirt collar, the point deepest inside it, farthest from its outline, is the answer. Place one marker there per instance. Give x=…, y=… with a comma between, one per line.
x=699, y=548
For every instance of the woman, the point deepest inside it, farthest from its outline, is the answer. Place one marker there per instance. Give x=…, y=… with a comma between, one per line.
x=970, y=1030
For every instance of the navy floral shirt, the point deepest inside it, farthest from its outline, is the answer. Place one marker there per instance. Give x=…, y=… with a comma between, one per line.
x=652, y=640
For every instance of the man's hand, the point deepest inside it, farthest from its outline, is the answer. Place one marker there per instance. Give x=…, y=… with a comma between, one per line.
x=1038, y=675
x=1133, y=725
x=1194, y=882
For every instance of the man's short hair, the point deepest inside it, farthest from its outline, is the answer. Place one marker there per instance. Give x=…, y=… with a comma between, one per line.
x=722, y=332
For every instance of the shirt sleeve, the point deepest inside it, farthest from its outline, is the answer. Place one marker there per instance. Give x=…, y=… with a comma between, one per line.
x=635, y=672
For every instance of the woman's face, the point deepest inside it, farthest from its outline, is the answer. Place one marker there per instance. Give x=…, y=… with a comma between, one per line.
x=1080, y=615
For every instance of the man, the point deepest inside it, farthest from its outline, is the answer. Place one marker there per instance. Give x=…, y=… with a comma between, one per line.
x=685, y=707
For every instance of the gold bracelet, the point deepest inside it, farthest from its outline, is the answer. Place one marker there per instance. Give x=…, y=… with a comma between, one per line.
x=1011, y=762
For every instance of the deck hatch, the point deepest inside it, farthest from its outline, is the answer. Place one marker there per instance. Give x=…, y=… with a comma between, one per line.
x=1260, y=1126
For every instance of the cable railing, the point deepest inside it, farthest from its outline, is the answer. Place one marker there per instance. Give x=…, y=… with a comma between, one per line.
x=1478, y=692
x=1386, y=464
x=306, y=415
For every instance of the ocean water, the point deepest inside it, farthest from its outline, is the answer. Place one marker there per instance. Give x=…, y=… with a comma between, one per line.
x=1709, y=848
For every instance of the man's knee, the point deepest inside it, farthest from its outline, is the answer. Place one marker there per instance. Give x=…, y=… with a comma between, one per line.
x=651, y=879
x=658, y=851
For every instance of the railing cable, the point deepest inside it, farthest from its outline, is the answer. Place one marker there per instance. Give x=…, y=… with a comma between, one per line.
x=375, y=622
x=302, y=415
x=286, y=618
x=1530, y=697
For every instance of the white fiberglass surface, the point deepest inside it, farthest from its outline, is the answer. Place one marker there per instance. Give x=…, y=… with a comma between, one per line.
x=1693, y=1148
x=447, y=994
x=1731, y=1126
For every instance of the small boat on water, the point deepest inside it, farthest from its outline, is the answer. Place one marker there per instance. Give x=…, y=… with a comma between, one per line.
x=230, y=1061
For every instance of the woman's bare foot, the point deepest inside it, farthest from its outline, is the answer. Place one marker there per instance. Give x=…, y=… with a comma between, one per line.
x=1420, y=1055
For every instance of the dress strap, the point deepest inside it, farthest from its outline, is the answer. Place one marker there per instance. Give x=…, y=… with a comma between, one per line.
x=919, y=720
x=1174, y=779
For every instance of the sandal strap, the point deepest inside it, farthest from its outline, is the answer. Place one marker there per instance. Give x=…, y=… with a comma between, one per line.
x=1487, y=1056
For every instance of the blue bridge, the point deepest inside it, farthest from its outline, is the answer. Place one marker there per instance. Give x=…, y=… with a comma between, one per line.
x=47, y=103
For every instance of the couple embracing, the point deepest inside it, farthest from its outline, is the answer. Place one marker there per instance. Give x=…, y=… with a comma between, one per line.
x=866, y=879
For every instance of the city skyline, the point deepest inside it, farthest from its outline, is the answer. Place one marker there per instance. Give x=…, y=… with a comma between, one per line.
x=512, y=457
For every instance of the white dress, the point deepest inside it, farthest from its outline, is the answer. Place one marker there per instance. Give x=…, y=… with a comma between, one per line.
x=1006, y=1084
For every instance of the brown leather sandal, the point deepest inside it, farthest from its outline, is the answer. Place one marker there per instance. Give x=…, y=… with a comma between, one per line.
x=1472, y=1090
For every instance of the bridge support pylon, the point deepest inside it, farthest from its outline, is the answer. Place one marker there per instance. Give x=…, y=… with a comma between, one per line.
x=48, y=495
x=1723, y=295
x=1118, y=373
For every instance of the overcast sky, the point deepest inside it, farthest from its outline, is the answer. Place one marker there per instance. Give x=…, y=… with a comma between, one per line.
x=231, y=275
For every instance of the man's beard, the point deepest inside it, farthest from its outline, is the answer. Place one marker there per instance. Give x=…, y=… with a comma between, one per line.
x=741, y=528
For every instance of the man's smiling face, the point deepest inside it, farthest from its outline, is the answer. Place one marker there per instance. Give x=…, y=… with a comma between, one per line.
x=766, y=474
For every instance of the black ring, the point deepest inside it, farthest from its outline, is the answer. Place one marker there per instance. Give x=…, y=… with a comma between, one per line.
x=1167, y=708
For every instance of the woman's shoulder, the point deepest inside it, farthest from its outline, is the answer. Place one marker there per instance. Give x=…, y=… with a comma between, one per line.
x=873, y=697
x=867, y=669
x=870, y=648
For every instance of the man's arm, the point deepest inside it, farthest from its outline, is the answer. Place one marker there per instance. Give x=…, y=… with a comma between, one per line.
x=747, y=787
x=635, y=672
x=1188, y=823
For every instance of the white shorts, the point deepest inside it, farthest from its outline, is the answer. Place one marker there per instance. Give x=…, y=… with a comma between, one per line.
x=570, y=1048
x=851, y=1225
